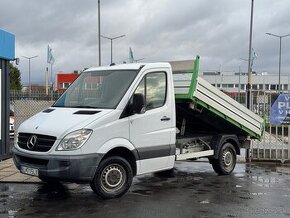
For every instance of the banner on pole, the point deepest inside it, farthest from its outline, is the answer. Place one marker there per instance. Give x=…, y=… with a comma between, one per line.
x=50, y=58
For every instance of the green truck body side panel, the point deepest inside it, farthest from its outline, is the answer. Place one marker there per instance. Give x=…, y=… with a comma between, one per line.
x=189, y=97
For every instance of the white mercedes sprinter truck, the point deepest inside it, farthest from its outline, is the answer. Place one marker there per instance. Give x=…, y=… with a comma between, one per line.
x=116, y=122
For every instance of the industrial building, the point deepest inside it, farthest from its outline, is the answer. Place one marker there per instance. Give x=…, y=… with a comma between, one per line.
x=235, y=82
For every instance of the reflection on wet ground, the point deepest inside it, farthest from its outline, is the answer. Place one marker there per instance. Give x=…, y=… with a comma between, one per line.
x=191, y=190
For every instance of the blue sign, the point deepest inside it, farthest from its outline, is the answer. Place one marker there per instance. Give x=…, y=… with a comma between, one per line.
x=7, y=45
x=280, y=111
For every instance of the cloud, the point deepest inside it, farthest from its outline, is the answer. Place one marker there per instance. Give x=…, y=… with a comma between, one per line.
x=156, y=30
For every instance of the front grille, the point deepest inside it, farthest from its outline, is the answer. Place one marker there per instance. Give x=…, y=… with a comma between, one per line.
x=42, y=143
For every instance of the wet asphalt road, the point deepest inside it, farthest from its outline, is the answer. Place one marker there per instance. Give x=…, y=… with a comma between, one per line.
x=253, y=190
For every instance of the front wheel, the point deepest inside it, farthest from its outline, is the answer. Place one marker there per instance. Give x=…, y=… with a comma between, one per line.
x=226, y=161
x=113, y=178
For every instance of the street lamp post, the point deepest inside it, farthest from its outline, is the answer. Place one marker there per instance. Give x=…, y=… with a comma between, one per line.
x=29, y=58
x=280, y=54
x=99, y=32
x=249, y=85
x=113, y=38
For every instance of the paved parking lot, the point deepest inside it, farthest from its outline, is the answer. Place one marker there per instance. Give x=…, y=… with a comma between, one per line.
x=9, y=173
x=253, y=190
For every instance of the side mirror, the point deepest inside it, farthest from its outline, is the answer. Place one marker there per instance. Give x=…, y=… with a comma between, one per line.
x=138, y=103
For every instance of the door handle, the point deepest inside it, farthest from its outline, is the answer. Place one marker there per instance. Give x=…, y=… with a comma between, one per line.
x=165, y=118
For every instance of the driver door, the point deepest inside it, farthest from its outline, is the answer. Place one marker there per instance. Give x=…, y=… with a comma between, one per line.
x=150, y=132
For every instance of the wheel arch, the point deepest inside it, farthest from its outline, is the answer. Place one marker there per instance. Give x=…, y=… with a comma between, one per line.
x=235, y=143
x=125, y=153
x=219, y=140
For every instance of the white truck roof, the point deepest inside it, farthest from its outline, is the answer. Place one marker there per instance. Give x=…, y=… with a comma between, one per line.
x=134, y=66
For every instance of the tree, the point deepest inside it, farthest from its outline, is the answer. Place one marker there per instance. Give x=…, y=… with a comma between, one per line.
x=15, y=78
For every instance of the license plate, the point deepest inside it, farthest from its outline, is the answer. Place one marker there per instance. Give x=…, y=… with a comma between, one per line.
x=29, y=171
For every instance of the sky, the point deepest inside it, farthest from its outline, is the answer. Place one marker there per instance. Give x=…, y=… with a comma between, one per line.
x=160, y=30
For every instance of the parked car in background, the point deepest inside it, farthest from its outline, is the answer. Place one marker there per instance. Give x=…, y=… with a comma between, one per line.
x=11, y=124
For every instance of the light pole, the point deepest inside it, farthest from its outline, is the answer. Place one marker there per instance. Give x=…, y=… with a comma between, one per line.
x=29, y=58
x=280, y=54
x=113, y=38
x=249, y=85
x=99, y=32
x=239, y=84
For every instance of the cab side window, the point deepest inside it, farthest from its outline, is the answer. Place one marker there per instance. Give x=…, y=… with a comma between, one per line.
x=153, y=87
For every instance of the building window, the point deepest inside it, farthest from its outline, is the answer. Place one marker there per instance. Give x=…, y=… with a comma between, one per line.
x=64, y=85
x=273, y=87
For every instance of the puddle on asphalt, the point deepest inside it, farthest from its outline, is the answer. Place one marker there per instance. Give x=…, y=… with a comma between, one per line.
x=283, y=170
x=204, y=201
x=197, y=178
x=265, y=181
x=12, y=213
x=266, y=177
x=246, y=197
x=142, y=192
x=52, y=191
x=239, y=175
x=258, y=193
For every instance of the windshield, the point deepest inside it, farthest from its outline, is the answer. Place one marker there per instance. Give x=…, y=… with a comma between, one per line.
x=97, y=89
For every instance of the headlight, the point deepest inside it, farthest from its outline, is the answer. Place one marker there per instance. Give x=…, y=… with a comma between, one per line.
x=74, y=140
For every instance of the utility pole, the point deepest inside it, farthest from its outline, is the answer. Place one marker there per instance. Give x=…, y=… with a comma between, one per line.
x=99, y=31
x=249, y=85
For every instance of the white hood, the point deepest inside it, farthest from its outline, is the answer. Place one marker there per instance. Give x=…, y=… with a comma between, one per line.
x=60, y=121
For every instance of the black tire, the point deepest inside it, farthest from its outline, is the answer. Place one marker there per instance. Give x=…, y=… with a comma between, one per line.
x=113, y=178
x=227, y=159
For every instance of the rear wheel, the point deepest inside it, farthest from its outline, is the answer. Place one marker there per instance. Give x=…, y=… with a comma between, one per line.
x=226, y=161
x=113, y=178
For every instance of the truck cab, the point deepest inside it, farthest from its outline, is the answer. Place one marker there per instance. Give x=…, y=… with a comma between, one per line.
x=126, y=111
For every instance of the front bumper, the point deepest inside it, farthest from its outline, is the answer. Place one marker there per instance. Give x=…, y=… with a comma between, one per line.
x=75, y=168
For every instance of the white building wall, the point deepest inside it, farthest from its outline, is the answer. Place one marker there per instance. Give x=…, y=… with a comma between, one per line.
x=260, y=82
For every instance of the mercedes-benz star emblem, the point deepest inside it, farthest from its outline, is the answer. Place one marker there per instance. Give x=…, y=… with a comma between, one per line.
x=31, y=142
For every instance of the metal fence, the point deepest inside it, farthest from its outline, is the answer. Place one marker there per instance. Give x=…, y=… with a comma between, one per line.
x=34, y=95
x=25, y=105
x=275, y=143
